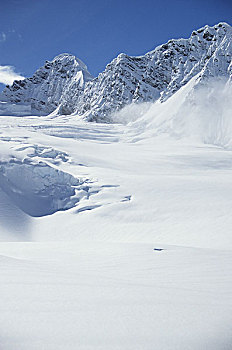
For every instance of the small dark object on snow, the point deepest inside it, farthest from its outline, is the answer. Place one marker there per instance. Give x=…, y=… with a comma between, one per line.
x=158, y=249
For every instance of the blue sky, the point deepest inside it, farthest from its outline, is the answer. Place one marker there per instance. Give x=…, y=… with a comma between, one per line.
x=32, y=31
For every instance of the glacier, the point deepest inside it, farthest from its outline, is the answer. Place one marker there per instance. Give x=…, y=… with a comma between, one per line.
x=116, y=233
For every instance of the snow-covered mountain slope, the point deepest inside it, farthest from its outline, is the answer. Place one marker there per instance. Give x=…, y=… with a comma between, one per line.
x=64, y=85
x=201, y=114
x=44, y=91
x=159, y=73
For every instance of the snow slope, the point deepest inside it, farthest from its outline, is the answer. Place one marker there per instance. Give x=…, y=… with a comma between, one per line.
x=63, y=296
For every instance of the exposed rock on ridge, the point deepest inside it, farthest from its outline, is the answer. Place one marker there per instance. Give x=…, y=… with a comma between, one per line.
x=159, y=73
x=44, y=90
x=65, y=83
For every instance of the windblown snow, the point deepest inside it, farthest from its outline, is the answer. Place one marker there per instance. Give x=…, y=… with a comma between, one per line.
x=118, y=235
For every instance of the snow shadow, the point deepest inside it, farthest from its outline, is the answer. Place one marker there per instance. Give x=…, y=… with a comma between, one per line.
x=38, y=189
x=13, y=220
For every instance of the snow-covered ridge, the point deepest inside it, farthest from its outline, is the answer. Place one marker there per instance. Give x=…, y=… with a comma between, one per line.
x=66, y=86
x=45, y=89
x=159, y=73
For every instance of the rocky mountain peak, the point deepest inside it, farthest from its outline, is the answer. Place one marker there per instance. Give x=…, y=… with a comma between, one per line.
x=65, y=84
x=44, y=90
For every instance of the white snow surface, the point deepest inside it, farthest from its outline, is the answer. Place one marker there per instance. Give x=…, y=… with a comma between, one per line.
x=114, y=296
x=118, y=236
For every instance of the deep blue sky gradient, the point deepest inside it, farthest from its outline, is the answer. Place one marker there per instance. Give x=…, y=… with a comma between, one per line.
x=97, y=30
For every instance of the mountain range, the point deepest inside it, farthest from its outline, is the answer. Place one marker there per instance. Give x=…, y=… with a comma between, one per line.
x=64, y=85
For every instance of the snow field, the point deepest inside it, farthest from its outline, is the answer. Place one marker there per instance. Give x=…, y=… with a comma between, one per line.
x=114, y=296
x=88, y=277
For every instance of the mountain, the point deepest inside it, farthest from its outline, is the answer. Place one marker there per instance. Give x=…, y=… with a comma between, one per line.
x=159, y=73
x=44, y=90
x=65, y=84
